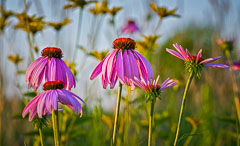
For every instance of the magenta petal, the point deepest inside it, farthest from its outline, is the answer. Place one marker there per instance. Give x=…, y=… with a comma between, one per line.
x=98, y=69
x=110, y=64
x=119, y=67
x=61, y=73
x=181, y=51
x=70, y=76
x=127, y=68
x=31, y=67
x=41, y=104
x=199, y=55
x=133, y=64
x=30, y=105
x=147, y=65
x=174, y=53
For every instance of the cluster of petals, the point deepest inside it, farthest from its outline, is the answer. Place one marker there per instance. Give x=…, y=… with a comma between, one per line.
x=52, y=67
x=130, y=28
x=149, y=86
x=123, y=64
x=236, y=66
x=186, y=56
x=47, y=101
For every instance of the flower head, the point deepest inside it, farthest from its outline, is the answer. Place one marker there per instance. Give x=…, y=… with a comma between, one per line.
x=52, y=67
x=123, y=63
x=47, y=101
x=152, y=89
x=130, y=28
x=194, y=63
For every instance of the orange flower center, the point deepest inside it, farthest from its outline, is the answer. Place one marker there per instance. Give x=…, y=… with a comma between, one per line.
x=52, y=85
x=52, y=52
x=124, y=43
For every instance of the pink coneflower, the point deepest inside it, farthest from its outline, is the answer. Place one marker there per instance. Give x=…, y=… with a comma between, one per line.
x=47, y=101
x=152, y=88
x=194, y=63
x=123, y=63
x=52, y=66
x=152, y=92
x=130, y=28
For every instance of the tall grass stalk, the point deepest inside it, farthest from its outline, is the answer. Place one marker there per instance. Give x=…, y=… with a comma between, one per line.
x=117, y=114
x=182, y=106
x=78, y=32
x=55, y=127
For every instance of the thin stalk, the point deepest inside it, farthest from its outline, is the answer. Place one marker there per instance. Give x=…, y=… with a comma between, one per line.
x=235, y=89
x=40, y=134
x=55, y=127
x=182, y=106
x=157, y=26
x=117, y=113
x=150, y=124
x=57, y=37
x=78, y=33
x=30, y=46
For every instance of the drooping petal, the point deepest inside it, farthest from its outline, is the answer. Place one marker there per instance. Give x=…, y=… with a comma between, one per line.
x=127, y=68
x=70, y=76
x=32, y=66
x=98, y=69
x=147, y=66
x=61, y=73
x=119, y=67
x=133, y=64
x=41, y=104
x=110, y=64
x=37, y=74
x=30, y=105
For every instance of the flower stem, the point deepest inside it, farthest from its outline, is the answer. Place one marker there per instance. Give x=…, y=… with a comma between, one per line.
x=182, y=106
x=235, y=89
x=40, y=134
x=55, y=127
x=150, y=124
x=117, y=113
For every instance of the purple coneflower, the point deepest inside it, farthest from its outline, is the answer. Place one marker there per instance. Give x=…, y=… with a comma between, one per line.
x=123, y=63
x=52, y=66
x=130, y=28
x=47, y=101
x=153, y=91
x=194, y=63
x=152, y=88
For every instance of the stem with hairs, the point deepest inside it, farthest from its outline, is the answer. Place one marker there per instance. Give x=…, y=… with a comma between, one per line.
x=117, y=113
x=55, y=127
x=150, y=124
x=182, y=106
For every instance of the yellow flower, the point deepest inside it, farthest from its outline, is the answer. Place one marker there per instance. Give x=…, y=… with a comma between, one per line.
x=163, y=11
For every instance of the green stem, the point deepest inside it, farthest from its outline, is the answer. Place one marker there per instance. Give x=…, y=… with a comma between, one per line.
x=182, y=106
x=150, y=124
x=40, y=134
x=55, y=127
x=117, y=113
x=78, y=33
x=235, y=89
